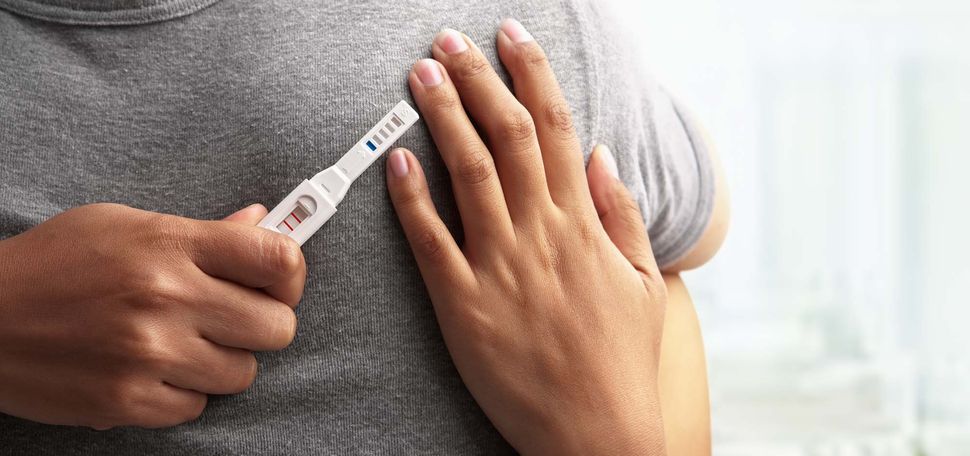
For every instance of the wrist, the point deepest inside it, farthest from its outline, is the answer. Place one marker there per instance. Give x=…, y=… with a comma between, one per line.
x=630, y=425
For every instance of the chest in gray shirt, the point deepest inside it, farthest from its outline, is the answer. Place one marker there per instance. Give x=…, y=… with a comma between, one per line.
x=199, y=107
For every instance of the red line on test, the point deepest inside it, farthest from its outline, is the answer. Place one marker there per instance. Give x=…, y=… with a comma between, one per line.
x=288, y=225
x=294, y=216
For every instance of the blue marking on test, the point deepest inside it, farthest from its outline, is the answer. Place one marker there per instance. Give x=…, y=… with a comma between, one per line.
x=372, y=146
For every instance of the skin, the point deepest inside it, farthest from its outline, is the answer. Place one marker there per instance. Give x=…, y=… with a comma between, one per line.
x=129, y=332
x=683, y=370
x=483, y=182
x=134, y=327
x=683, y=376
x=560, y=367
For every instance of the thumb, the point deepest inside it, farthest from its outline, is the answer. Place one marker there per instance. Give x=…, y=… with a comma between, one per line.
x=619, y=212
x=249, y=215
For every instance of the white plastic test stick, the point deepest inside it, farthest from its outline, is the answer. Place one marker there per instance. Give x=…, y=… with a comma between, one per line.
x=311, y=204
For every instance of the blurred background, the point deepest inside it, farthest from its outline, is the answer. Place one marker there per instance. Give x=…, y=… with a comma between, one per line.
x=836, y=316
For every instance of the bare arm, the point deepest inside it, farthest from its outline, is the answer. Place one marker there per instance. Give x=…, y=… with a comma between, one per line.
x=682, y=380
x=683, y=376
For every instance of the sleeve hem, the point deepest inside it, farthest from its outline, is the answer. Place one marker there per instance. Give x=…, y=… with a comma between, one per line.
x=704, y=209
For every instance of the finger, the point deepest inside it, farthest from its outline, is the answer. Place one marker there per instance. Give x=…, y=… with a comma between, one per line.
x=508, y=127
x=290, y=289
x=240, y=317
x=213, y=369
x=475, y=182
x=441, y=262
x=250, y=215
x=251, y=256
x=166, y=406
x=538, y=89
x=619, y=212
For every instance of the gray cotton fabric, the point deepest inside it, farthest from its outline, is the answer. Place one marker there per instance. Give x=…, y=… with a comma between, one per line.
x=201, y=107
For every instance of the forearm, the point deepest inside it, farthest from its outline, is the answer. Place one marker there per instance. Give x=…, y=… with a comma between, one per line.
x=683, y=376
x=683, y=395
x=619, y=424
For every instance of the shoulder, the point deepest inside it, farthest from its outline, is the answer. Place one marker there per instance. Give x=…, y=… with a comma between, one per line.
x=715, y=232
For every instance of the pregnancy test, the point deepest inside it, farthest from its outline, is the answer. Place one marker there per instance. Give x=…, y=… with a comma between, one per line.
x=314, y=201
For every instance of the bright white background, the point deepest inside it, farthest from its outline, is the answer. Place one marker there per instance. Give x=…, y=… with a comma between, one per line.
x=837, y=316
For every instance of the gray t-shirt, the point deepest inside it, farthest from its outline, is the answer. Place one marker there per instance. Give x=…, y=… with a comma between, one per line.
x=199, y=107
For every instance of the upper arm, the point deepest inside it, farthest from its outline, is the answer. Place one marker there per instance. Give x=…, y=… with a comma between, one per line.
x=672, y=168
x=682, y=378
x=661, y=150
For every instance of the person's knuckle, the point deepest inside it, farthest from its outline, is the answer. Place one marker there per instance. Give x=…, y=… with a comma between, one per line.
x=533, y=57
x=475, y=168
x=167, y=232
x=147, y=348
x=409, y=195
x=285, y=254
x=286, y=326
x=245, y=374
x=159, y=289
x=121, y=398
x=192, y=409
x=442, y=100
x=431, y=242
x=276, y=328
x=516, y=126
x=558, y=116
x=468, y=147
x=469, y=68
x=150, y=292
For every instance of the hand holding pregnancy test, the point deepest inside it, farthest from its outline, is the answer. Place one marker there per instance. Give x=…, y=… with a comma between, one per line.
x=314, y=201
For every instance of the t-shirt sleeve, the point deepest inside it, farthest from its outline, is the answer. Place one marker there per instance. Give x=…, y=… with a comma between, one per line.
x=659, y=148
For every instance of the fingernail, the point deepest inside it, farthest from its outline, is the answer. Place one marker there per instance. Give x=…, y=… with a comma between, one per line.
x=609, y=161
x=515, y=31
x=451, y=41
x=398, y=163
x=428, y=72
